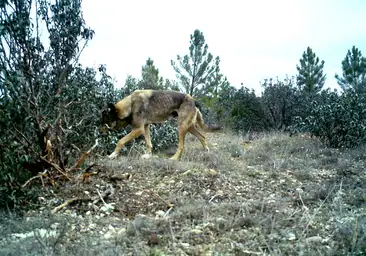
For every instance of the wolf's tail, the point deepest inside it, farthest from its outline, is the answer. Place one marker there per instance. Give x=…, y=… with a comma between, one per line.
x=203, y=126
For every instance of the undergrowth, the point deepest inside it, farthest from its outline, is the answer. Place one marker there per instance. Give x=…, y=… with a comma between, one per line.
x=275, y=195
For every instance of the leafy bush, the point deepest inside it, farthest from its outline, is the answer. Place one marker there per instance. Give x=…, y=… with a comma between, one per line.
x=337, y=120
x=49, y=105
x=165, y=135
x=278, y=100
x=241, y=110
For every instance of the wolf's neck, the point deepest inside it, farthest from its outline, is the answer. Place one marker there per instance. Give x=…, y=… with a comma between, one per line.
x=123, y=107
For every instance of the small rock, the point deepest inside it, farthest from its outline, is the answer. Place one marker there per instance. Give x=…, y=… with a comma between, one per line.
x=291, y=236
x=186, y=173
x=146, y=156
x=121, y=231
x=108, y=235
x=196, y=231
x=160, y=213
x=55, y=225
x=314, y=240
x=185, y=245
x=210, y=172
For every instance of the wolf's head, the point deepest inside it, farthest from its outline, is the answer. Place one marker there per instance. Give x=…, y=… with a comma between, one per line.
x=109, y=118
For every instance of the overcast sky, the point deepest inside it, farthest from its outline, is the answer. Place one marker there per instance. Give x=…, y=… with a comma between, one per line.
x=254, y=39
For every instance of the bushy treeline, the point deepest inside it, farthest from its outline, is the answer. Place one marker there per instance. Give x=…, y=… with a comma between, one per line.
x=50, y=105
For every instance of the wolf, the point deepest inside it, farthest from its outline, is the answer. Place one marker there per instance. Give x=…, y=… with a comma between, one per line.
x=144, y=107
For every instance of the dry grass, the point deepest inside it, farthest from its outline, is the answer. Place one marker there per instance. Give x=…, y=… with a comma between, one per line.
x=278, y=195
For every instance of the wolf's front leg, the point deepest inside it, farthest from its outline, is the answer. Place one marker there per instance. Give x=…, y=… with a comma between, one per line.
x=133, y=134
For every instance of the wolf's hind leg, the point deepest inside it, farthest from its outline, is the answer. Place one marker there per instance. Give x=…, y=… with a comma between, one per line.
x=193, y=130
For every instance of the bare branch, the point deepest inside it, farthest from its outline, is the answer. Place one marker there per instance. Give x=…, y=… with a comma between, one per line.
x=83, y=157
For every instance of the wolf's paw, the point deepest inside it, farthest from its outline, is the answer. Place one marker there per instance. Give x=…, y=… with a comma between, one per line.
x=146, y=156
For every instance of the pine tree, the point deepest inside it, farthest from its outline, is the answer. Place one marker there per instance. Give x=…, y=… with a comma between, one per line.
x=354, y=71
x=310, y=77
x=197, y=68
x=150, y=76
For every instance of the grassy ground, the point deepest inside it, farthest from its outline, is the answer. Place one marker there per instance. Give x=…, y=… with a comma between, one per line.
x=278, y=195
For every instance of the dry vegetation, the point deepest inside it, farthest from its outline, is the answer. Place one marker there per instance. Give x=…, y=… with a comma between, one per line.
x=278, y=195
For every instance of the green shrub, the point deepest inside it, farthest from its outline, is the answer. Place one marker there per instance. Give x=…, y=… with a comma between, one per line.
x=337, y=120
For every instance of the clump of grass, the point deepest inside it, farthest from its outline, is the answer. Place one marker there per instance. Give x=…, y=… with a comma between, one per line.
x=350, y=233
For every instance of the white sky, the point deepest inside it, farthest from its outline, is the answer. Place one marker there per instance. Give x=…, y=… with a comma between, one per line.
x=254, y=39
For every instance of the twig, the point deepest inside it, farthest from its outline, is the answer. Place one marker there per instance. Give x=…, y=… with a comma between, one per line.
x=252, y=253
x=56, y=209
x=88, y=174
x=170, y=205
x=68, y=104
x=316, y=211
x=109, y=191
x=39, y=175
x=87, y=169
x=24, y=137
x=101, y=198
x=75, y=147
x=172, y=236
x=83, y=157
x=167, y=212
x=212, y=198
x=58, y=168
x=79, y=122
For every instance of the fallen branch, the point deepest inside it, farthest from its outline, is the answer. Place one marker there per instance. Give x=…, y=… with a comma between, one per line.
x=119, y=177
x=58, y=168
x=109, y=191
x=61, y=206
x=105, y=194
x=83, y=157
x=107, y=208
x=87, y=173
x=39, y=175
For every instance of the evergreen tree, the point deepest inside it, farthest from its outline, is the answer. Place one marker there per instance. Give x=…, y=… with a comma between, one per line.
x=171, y=85
x=197, y=68
x=150, y=77
x=131, y=84
x=354, y=71
x=310, y=77
x=215, y=83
